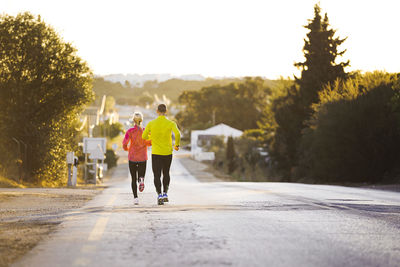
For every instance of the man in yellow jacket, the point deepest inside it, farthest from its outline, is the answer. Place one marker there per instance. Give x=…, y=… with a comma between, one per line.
x=160, y=131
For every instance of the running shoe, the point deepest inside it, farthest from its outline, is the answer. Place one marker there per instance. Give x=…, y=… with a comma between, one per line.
x=160, y=199
x=136, y=201
x=141, y=184
x=165, y=197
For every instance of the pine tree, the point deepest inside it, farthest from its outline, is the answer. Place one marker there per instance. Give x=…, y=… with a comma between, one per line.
x=320, y=51
x=293, y=110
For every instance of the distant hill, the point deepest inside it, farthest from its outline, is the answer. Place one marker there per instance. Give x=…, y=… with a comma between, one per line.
x=140, y=93
x=138, y=80
x=142, y=89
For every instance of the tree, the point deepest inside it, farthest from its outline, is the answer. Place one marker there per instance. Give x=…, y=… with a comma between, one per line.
x=318, y=69
x=108, y=130
x=127, y=84
x=145, y=99
x=43, y=87
x=237, y=104
x=267, y=122
x=288, y=114
x=230, y=155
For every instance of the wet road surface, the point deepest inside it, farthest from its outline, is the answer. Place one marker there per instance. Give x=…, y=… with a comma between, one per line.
x=226, y=224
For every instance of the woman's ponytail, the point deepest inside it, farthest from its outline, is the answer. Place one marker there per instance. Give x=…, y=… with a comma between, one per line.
x=138, y=118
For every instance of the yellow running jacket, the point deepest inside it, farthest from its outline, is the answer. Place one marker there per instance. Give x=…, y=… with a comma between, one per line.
x=160, y=131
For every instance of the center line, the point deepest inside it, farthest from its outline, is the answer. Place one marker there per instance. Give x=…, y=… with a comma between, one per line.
x=111, y=201
x=100, y=226
x=98, y=229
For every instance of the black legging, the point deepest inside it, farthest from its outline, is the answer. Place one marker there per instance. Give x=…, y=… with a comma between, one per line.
x=137, y=170
x=161, y=164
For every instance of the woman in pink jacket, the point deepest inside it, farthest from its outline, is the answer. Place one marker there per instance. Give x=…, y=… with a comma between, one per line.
x=137, y=154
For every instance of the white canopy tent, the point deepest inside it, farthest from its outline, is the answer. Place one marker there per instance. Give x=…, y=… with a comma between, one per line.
x=217, y=130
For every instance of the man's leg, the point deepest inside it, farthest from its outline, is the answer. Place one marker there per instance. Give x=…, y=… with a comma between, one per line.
x=156, y=165
x=166, y=165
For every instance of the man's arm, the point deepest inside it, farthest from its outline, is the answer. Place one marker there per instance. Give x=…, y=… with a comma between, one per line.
x=145, y=134
x=177, y=134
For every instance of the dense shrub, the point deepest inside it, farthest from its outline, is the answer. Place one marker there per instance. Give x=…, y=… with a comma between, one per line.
x=354, y=135
x=245, y=161
x=111, y=158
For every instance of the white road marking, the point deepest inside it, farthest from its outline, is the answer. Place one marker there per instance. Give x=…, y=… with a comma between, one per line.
x=101, y=223
x=111, y=201
x=81, y=262
x=98, y=229
x=88, y=249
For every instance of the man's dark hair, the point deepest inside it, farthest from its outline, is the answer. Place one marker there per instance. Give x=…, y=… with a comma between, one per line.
x=162, y=108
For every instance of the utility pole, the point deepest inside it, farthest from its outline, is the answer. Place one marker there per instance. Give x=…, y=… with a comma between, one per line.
x=213, y=117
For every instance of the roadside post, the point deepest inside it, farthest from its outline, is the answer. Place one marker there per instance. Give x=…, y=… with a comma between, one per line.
x=75, y=171
x=70, y=162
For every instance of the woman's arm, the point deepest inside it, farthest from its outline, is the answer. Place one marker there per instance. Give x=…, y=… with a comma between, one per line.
x=125, y=142
x=148, y=142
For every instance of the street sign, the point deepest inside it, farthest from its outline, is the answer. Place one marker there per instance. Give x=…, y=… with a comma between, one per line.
x=90, y=143
x=97, y=153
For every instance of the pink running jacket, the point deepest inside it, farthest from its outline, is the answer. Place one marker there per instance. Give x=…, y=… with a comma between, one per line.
x=136, y=146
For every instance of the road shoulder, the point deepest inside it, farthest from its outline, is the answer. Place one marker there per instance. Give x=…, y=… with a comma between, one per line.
x=202, y=171
x=28, y=215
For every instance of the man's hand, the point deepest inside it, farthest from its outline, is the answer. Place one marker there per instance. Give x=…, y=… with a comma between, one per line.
x=176, y=148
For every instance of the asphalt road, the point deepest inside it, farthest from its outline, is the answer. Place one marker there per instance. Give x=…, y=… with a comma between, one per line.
x=227, y=224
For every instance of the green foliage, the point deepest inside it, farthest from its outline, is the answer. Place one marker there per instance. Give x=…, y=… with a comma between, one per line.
x=288, y=114
x=43, y=87
x=238, y=105
x=247, y=164
x=295, y=107
x=267, y=121
x=108, y=130
x=320, y=51
x=111, y=158
x=146, y=99
x=116, y=90
x=354, y=135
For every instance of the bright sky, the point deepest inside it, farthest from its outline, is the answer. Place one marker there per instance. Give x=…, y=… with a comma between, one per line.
x=215, y=37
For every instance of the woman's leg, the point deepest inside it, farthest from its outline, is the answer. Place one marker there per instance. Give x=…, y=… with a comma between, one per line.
x=133, y=167
x=142, y=169
x=141, y=174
